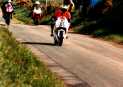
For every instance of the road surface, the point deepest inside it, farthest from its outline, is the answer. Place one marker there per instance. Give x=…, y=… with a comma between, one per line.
x=97, y=62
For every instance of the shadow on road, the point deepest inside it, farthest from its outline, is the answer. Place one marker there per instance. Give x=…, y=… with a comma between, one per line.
x=38, y=43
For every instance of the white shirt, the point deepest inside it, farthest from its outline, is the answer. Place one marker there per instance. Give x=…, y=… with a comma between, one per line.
x=37, y=10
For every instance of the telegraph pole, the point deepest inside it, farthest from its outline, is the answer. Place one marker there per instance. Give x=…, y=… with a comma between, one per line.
x=46, y=3
x=46, y=7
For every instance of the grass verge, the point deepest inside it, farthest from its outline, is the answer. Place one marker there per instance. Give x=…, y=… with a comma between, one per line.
x=23, y=14
x=20, y=68
x=99, y=32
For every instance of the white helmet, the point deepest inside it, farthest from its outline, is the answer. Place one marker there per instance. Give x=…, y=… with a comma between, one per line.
x=9, y=1
x=65, y=7
x=37, y=2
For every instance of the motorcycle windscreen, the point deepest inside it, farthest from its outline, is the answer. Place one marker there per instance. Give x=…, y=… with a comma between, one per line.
x=66, y=24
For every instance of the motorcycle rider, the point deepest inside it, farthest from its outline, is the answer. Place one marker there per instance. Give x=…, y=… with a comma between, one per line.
x=63, y=16
x=66, y=13
x=37, y=13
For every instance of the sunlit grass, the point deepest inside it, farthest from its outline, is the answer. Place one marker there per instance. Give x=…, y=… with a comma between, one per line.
x=20, y=68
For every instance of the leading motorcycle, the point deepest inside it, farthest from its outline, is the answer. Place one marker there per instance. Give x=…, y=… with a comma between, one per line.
x=59, y=33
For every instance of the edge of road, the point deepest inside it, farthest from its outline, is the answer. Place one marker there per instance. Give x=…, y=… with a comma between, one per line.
x=69, y=79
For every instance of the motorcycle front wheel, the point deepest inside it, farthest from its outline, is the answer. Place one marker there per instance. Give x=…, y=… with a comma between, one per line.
x=55, y=41
x=61, y=38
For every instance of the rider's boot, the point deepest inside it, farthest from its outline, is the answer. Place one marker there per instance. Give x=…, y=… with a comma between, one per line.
x=66, y=36
x=51, y=34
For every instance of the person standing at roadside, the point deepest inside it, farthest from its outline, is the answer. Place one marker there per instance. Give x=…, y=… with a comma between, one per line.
x=7, y=10
x=37, y=13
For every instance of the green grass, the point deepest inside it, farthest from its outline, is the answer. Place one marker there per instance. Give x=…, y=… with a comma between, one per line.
x=115, y=38
x=23, y=14
x=46, y=20
x=20, y=68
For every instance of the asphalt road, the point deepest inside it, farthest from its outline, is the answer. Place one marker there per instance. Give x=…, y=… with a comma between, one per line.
x=97, y=62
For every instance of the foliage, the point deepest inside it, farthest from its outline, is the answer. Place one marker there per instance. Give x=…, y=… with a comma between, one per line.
x=23, y=14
